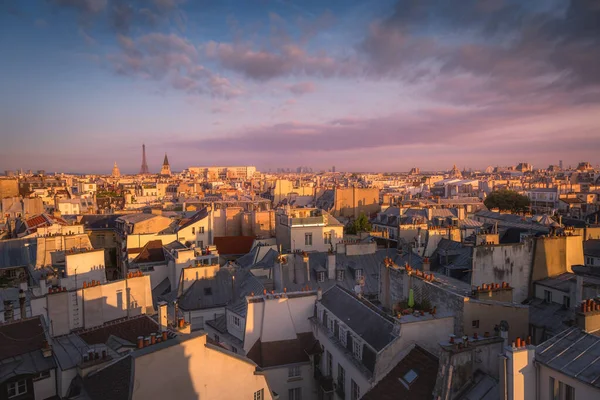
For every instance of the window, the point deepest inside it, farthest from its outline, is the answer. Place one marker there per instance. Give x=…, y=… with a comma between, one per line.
x=331, y=324
x=357, y=348
x=475, y=323
x=208, y=291
x=354, y=390
x=341, y=380
x=358, y=273
x=193, y=230
x=259, y=395
x=201, y=229
x=340, y=275
x=409, y=378
x=295, y=394
x=327, y=238
x=308, y=239
x=294, y=372
x=201, y=244
x=41, y=375
x=234, y=349
x=553, y=389
x=235, y=320
x=217, y=338
x=17, y=388
x=329, y=366
x=547, y=296
x=566, y=392
x=321, y=276
x=566, y=301
x=343, y=335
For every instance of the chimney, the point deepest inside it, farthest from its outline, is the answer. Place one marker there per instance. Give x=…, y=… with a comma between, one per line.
x=588, y=316
x=22, y=304
x=43, y=290
x=278, y=273
x=153, y=338
x=305, y=259
x=331, y=265
x=426, y=265
x=163, y=320
x=140, y=342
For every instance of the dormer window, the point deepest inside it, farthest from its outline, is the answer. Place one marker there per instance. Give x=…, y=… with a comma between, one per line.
x=331, y=324
x=340, y=275
x=343, y=336
x=359, y=274
x=409, y=378
x=321, y=276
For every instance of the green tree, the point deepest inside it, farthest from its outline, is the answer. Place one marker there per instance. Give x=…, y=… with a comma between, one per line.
x=360, y=224
x=507, y=200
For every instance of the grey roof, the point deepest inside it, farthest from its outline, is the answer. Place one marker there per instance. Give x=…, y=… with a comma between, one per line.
x=33, y=362
x=14, y=253
x=135, y=218
x=573, y=352
x=175, y=245
x=372, y=325
x=552, y=317
x=562, y=282
x=69, y=350
x=591, y=248
x=219, y=323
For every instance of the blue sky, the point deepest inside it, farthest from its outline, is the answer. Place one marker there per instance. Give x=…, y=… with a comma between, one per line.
x=379, y=85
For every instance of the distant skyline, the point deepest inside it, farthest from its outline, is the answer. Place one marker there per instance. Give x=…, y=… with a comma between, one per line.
x=365, y=86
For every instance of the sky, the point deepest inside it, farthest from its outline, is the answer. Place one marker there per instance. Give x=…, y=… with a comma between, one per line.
x=363, y=85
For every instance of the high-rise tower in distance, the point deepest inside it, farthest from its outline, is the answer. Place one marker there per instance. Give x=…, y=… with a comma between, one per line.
x=144, y=170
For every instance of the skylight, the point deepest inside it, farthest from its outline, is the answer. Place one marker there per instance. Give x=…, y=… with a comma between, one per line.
x=409, y=378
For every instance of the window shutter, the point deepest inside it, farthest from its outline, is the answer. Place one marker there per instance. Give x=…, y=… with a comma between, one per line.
x=349, y=340
x=336, y=329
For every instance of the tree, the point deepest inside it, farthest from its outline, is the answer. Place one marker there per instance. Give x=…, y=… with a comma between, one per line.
x=360, y=224
x=507, y=200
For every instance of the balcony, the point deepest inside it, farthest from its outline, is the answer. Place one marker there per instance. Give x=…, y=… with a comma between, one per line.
x=307, y=221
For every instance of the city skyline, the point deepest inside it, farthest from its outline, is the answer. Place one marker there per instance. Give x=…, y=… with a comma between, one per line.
x=386, y=85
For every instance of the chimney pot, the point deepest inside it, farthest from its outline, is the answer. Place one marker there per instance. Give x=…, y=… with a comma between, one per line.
x=164, y=336
x=104, y=354
x=486, y=335
x=140, y=342
x=96, y=355
x=181, y=322
x=153, y=338
x=451, y=339
x=475, y=335
x=146, y=341
x=528, y=340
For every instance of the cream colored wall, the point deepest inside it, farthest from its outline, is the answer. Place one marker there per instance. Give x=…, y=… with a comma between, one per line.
x=582, y=391
x=489, y=314
x=254, y=324
x=152, y=225
x=82, y=262
x=557, y=254
x=297, y=237
x=191, y=274
x=45, y=388
x=521, y=374
x=280, y=383
x=194, y=371
x=350, y=202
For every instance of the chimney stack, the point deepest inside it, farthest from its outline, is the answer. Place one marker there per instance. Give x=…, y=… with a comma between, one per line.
x=163, y=319
x=331, y=265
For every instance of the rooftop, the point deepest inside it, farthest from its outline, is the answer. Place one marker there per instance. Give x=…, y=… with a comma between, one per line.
x=573, y=352
x=128, y=329
x=282, y=352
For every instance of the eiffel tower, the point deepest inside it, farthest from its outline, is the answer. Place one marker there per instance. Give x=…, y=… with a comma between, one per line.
x=144, y=170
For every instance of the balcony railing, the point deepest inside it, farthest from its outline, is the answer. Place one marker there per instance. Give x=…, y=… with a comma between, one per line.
x=307, y=221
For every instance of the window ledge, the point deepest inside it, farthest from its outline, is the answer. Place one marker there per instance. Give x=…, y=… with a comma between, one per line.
x=295, y=379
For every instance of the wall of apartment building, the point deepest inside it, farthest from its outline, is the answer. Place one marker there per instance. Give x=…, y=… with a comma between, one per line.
x=93, y=306
x=56, y=229
x=582, y=390
x=280, y=382
x=196, y=370
x=433, y=237
x=488, y=315
x=351, y=202
x=557, y=254
x=151, y=225
x=135, y=241
x=198, y=318
x=191, y=274
x=198, y=233
x=297, y=239
x=504, y=263
x=47, y=245
x=9, y=188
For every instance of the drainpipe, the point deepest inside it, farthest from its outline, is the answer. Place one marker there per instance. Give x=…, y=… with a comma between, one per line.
x=537, y=380
x=505, y=377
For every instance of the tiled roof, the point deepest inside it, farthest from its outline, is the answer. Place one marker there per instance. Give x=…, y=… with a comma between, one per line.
x=232, y=245
x=424, y=364
x=200, y=215
x=151, y=253
x=282, y=352
x=20, y=337
x=128, y=329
